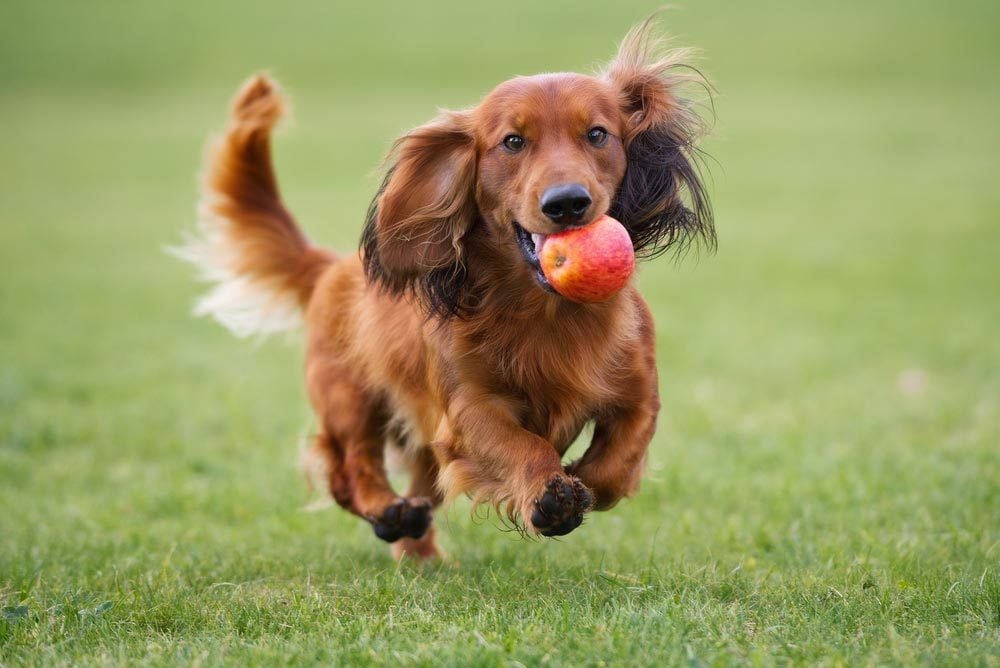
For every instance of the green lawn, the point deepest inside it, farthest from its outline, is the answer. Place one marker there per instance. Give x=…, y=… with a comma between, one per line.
x=825, y=483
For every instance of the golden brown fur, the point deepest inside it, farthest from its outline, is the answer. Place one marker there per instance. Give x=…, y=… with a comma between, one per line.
x=438, y=336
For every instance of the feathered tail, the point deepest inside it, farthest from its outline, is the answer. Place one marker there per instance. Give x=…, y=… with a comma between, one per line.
x=248, y=244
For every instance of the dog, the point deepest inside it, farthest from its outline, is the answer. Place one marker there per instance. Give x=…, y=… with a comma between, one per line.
x=441, y=337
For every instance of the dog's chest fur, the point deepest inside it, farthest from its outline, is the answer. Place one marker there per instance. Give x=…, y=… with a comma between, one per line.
x=559, y=369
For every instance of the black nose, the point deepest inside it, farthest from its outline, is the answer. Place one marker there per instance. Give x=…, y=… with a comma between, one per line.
x=565, y=204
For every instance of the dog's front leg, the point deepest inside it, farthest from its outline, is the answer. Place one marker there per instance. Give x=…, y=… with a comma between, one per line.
x=489, y=455
x=612, y=465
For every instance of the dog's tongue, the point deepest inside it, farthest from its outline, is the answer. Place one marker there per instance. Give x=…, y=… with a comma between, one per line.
x=538, y=240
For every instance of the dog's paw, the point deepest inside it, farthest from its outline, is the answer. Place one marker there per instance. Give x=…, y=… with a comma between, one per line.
x=408, y=518
x=561, y=506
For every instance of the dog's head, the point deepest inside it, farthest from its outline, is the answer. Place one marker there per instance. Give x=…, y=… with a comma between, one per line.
x=537, y=155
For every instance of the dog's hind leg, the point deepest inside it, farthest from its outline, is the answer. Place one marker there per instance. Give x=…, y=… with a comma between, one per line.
x=353, y=442
x=423, y=468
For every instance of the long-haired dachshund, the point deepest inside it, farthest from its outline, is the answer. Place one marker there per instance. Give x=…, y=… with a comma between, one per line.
x=441, y=336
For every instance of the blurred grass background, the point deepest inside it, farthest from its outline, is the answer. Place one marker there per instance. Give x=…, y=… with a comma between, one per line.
x=825, y=483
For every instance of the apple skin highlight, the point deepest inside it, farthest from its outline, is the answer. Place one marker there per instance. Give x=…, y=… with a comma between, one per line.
x=591, y=263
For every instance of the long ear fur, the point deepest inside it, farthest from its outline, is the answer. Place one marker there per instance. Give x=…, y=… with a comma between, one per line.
x=416, y=223
x=662, y=130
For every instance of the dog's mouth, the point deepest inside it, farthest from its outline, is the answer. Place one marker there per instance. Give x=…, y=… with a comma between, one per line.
x=531, y=245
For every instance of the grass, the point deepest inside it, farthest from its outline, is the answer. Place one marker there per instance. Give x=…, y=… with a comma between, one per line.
x=825, y=483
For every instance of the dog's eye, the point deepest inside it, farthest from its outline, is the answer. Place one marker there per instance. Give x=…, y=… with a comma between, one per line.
x=597, y=136
x=513, y=143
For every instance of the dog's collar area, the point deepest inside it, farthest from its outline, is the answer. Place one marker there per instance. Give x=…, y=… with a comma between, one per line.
x=529, y=244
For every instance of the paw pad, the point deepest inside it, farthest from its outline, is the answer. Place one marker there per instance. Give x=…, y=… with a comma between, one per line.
x=560, y=508
x=405, y=517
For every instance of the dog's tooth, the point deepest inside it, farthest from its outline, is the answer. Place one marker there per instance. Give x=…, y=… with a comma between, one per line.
x=538, y=240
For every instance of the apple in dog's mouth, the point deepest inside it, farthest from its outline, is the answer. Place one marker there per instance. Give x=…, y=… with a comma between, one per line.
x=584, y=264
x=588, y=264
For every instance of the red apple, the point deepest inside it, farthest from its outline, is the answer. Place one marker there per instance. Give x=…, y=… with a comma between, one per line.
x=591, y=263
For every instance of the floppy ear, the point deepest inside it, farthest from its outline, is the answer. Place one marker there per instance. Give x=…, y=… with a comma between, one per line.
x=413, y=234
x=660, y=136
